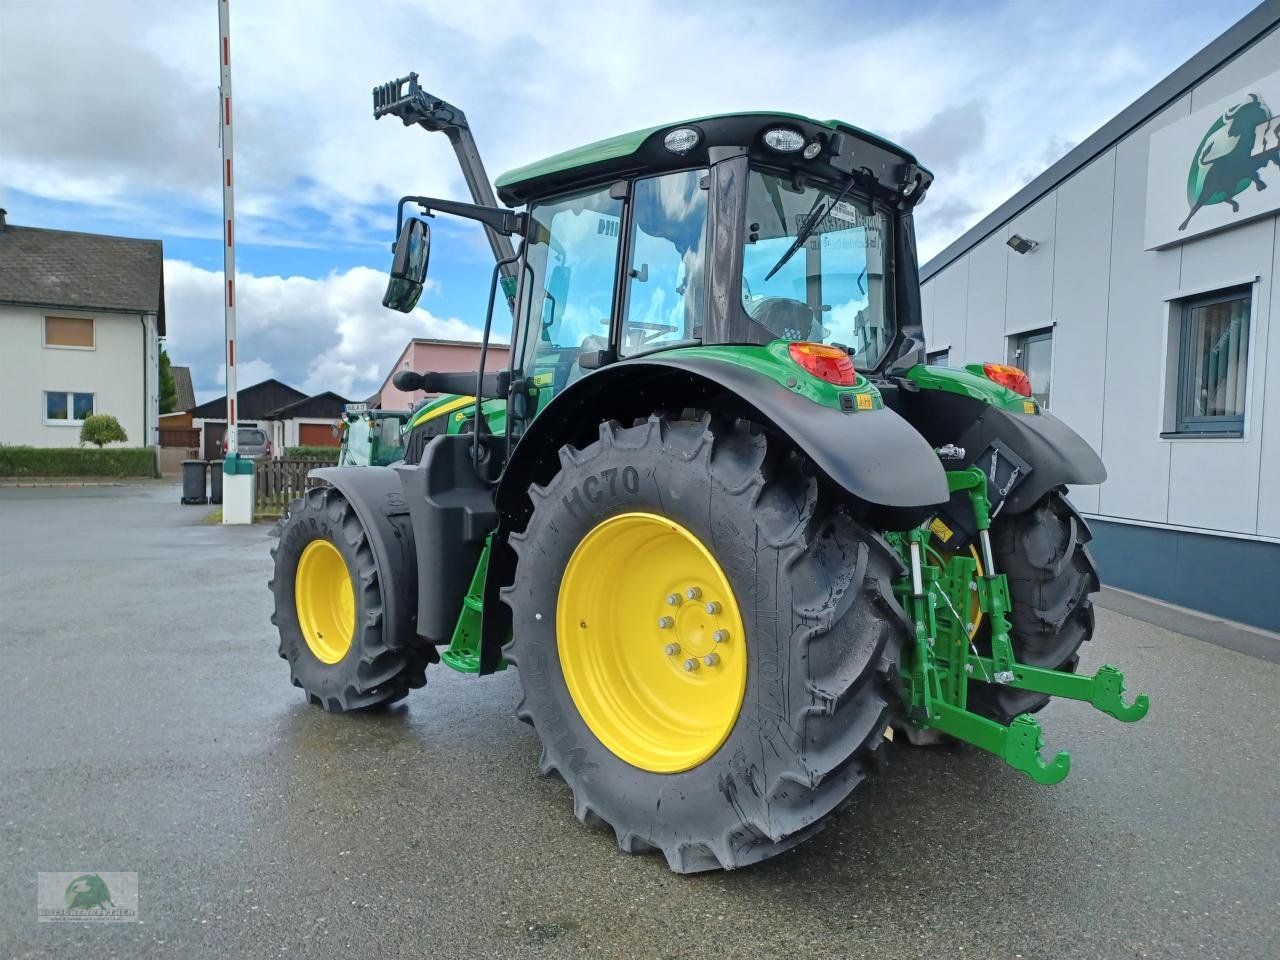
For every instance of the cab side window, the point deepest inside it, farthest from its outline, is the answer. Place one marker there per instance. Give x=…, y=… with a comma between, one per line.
x=567, y=307
x=665, y=290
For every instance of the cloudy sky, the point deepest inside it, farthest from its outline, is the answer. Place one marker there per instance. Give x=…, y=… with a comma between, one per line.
x=108, y=123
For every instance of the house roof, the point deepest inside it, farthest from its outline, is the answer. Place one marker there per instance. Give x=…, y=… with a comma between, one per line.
x=438, y=342
x=82, y=271
x=182, y=382
x=1243, y=34
x=258, y=402
x=327, y=404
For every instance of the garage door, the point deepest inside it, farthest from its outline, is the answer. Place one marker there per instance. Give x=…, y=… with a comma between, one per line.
x=317, y=435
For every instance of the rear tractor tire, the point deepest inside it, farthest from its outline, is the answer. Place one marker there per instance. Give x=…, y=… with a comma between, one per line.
x=1051, y=575
x=707, y=648
x=329, y=609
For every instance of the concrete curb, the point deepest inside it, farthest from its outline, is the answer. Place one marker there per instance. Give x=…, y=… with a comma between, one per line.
x=11, y=482
x=1240, y=637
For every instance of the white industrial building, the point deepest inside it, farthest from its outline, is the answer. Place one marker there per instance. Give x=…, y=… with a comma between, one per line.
x=1134, y=281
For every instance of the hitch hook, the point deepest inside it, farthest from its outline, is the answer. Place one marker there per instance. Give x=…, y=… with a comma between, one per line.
x=1108, y=696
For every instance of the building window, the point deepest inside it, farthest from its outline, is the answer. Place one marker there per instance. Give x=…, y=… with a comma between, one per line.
x=1213, y=359
x=1032, y=352
x=67, y=408
x=75, y=332
x=939, y=358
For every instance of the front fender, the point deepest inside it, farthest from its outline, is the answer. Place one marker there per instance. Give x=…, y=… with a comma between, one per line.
x=376, y=495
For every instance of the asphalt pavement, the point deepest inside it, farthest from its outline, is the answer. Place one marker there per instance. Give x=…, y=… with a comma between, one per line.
x=148, y=726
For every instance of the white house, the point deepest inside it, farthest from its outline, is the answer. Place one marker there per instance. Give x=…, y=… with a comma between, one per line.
x=80, y=320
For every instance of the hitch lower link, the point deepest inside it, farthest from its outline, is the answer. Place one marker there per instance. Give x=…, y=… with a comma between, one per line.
x=945, y=596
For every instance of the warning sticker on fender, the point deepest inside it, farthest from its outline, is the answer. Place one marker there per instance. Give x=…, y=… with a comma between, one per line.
x=940, y=529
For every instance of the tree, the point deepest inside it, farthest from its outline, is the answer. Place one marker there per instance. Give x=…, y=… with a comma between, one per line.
x=101, y=429
x=168, y=389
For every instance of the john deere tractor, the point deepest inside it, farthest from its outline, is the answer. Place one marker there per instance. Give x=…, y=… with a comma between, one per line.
x=730, y=529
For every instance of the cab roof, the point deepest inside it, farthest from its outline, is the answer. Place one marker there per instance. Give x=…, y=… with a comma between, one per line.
x=642, y=151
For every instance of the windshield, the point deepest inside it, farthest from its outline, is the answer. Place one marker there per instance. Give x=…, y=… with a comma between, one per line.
x=251, y=438
x=832, y=287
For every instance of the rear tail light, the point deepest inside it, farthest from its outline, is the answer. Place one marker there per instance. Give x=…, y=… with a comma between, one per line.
x=831, y=364
x=1007, y=376
x=224, y=446
x=268, y=448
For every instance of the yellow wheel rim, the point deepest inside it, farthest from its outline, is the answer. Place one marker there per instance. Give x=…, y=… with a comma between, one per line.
x=325, y=600
x=975, y=605
x=651, y=642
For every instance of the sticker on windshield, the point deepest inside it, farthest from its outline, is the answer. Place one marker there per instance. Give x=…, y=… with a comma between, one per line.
x=846, y=211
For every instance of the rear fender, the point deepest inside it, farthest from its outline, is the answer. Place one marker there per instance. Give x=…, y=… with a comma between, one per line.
x=887, y=469
x=956, y=406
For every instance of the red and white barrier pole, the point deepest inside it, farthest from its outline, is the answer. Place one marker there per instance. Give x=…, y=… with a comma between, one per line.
x=237, y=477
x=228, y=213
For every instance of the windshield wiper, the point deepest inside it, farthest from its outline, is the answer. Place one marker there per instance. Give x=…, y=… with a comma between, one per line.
x=806, y=230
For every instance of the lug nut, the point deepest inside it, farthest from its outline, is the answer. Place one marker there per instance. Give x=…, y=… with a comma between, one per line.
x=691, y=665
x=671, y=649
x=711, y=659
x=720, y=636
x=712, y=608
x=665, y=623
x=693, y=593
x=674, y=599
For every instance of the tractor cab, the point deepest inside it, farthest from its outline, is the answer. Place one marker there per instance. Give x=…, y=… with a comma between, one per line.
x=738, y=230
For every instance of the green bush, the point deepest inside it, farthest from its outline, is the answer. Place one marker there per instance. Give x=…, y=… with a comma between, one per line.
x=77, y=462
x=101, y=429
x=329, y=454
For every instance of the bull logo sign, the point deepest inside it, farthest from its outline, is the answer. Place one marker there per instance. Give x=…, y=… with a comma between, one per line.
x=1232, y=156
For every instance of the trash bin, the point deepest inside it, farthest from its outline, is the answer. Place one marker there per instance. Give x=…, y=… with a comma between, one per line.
x=193, y=472
x=215, y=481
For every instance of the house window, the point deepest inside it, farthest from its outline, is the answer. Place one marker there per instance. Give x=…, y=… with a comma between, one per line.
x=67, y=408
x=76, y=332
x=1213, y=360
x=1032, y=352
x=939, y=358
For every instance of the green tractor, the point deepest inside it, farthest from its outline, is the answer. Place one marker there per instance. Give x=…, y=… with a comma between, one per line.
x=729, y=528
x=371, y=437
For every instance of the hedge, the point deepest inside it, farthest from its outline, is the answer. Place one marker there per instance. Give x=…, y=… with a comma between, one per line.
x=77, y=462
x=312, y=453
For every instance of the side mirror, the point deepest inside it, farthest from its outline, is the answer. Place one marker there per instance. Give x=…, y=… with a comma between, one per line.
x=409, y=268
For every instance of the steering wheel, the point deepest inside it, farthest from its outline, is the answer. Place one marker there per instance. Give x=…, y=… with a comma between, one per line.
x=786, y=318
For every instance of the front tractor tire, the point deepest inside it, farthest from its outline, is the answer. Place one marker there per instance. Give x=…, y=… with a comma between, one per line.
x=1051, y=575
x=707, y=648
x=330, y=609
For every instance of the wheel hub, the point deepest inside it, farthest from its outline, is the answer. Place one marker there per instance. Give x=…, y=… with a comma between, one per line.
x=325, y=601
x=651, y=642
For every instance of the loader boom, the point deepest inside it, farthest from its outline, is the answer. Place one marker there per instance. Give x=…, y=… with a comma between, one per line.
x=405, y=99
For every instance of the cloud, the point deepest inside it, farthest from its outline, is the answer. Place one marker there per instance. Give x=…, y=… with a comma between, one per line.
x=113, y=105
x=330, y=333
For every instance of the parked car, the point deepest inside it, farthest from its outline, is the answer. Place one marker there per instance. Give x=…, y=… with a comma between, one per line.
x=253, y=444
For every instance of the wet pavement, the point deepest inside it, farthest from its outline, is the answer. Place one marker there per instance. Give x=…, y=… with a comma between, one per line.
x=148, y=726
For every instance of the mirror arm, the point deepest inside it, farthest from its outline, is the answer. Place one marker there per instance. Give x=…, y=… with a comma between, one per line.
x=506, y=222
x=484, y=353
